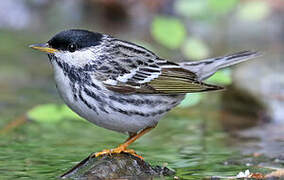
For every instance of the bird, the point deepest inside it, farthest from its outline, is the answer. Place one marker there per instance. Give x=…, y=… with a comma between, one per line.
x=122, y=86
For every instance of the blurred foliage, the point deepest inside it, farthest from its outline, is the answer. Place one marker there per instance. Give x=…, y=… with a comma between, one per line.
x=193, y=9
x=51, y=113
x=194, y=48
x=168, y=31
x=222, y=77
x=254, y=10
x=190, y=100
x=171, y=32
x=222, y=7
x=205, y=9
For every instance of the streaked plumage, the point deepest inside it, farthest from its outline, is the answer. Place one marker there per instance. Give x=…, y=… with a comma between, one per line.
x=122, y=86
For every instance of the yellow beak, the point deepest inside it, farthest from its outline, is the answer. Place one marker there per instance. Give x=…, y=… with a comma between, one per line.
x=43, y=47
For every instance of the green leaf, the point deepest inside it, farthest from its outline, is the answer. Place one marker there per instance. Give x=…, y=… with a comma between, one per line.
x=221, y=77
x=195, y=48
x=191, y=100
x=254, y=10
x=222, y=6
x=191, y=8
x=51, y=113
x=168, y=31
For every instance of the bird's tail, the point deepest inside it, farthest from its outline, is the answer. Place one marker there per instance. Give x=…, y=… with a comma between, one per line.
x=207, y=67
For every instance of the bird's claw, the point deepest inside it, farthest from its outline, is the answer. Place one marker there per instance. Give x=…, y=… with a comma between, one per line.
x=117, y=150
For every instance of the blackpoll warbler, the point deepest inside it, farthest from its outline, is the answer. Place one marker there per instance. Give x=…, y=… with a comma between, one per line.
x=121, y=86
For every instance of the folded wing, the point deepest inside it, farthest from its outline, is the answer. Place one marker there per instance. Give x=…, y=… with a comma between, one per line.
x=159, y=78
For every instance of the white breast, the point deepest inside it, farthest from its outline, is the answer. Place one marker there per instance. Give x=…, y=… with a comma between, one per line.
x=62, y=84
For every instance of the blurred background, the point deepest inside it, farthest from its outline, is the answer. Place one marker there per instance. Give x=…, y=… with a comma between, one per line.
x=209, y=134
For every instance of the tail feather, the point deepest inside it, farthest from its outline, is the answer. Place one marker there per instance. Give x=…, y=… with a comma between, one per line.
x=207, y=67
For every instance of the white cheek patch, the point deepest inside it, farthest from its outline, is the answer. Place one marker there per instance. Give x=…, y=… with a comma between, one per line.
x=77, y=58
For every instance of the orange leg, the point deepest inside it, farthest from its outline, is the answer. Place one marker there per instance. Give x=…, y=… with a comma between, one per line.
x=123, y=147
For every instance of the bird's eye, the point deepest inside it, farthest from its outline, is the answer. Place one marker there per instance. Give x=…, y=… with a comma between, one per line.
x=72, y=47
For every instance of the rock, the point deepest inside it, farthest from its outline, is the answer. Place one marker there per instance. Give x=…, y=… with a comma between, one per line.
x=264, y=78
x=115, y=166
x=241, y=110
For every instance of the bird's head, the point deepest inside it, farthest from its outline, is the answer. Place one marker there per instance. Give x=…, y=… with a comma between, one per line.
x=75, y=47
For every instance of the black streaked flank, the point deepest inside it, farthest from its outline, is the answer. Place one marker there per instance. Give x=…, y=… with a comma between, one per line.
x=93, y=95
x=139, y=113
x=137, y=102
x=97, y=98
x=96, y=86
x=87, y=104
x=74, y=91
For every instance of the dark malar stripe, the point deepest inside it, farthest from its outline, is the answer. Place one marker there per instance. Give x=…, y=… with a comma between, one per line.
x=74, y=74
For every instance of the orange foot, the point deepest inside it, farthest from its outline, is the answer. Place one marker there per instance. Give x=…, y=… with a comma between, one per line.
x=117, y=150
x=123, y=147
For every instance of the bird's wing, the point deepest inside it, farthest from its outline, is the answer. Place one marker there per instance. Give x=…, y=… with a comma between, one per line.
x=158, y=77
x=135, y=69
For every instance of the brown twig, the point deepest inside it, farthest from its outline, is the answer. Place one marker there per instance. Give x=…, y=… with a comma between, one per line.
x=14, y=124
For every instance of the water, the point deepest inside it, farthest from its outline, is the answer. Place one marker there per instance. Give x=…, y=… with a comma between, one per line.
x=36, y=150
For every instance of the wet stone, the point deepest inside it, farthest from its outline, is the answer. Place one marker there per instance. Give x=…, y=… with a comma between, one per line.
x=115, y=166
